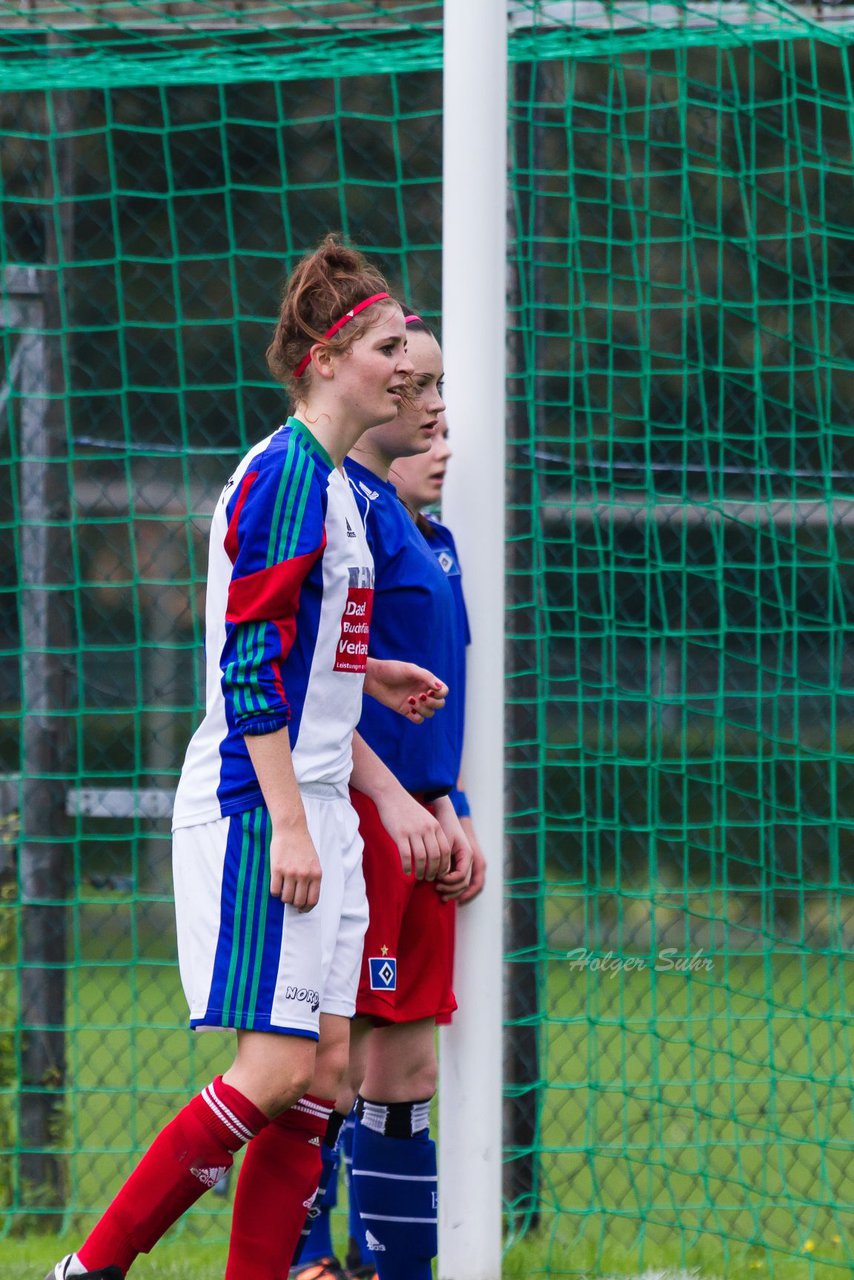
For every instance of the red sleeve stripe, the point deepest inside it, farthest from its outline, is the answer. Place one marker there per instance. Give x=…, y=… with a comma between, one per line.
x=230, y=542
x=270, y=595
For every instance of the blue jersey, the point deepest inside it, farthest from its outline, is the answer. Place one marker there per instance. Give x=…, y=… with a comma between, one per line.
x=418, y=616
x=288, y=608
x=441, y=543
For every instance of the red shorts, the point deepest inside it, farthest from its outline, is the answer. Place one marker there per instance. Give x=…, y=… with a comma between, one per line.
x=408, y=958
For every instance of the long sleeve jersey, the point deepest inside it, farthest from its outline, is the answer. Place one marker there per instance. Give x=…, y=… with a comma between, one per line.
x=289, y=598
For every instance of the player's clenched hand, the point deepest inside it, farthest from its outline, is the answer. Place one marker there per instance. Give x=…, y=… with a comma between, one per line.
x=412, y=691
x=421, y=842
x=294, y=868
x=455, y=880
x=478, y=864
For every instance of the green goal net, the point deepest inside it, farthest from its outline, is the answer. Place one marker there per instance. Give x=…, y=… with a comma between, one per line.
x=680, y=553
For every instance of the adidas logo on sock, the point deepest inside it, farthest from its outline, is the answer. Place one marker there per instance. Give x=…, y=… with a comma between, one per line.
x=314, y=1142
x=210, y=1176
x=375, y=1245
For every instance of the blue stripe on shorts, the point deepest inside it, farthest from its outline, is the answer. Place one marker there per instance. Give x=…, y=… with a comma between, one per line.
x=251, y=922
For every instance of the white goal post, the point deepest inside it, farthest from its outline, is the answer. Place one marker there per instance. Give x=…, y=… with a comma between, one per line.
x=474, y=309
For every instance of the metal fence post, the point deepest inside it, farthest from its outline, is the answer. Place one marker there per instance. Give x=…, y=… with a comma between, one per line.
x=43, y=572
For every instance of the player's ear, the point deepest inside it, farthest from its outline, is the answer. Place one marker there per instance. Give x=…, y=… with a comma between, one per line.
x=322, y=360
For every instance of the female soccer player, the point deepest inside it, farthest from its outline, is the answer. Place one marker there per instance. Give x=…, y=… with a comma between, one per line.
x=406, y=982
x=419, y=479
x=270, y=899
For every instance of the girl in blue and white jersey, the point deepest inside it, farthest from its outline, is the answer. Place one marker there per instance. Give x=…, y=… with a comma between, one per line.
x=269, y=892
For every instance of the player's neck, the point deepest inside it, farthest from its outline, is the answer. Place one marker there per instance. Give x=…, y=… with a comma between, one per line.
x=373, y=459
x=335, y=437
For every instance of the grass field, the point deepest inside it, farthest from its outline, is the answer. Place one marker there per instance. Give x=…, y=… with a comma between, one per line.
x=695, y=1121
x=30, y=1259
x=709, y=1110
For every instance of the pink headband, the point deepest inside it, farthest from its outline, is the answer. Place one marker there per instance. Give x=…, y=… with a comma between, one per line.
x=412, y=319
x=339, y=324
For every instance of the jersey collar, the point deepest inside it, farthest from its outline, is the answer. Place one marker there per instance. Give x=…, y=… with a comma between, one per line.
x=310, y=444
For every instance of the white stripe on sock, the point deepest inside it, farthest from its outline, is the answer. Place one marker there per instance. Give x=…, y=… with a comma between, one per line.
x=396, y=1177
x=420, y=1116
x=312, y=1108
x=228, y=1118
x=374, y=1116
x=384, y=1217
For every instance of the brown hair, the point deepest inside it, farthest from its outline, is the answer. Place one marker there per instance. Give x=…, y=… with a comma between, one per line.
x=321, y=289
x=424, y=526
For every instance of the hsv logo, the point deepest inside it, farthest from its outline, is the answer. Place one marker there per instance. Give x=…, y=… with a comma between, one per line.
x=383, y=973
x=351, y=653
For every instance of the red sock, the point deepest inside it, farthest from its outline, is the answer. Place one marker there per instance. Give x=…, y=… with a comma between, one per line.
x=185, y=1159
x=278, y=1180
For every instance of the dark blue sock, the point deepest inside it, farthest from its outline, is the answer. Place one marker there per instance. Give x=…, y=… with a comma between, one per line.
x=357, y=1252
x=395, y=1181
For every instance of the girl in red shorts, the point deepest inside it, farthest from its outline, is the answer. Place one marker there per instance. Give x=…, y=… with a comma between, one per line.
x=406, y=983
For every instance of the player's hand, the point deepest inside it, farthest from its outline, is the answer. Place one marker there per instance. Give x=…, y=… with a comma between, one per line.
x=294, y=868
x=422, y=844
x=413, y=692
x=478, y=864
x=456, y=879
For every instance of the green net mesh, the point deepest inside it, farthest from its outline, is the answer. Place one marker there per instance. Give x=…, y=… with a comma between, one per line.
x=680, y=763
x=680, y=560
x=106, y=45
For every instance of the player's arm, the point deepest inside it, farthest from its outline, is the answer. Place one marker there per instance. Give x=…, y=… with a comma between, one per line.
x=412, y=691
x=478, y=863
x=294, y=864
x=456, y=879
x=421, y=842
x=262, y=603
x=277, y=506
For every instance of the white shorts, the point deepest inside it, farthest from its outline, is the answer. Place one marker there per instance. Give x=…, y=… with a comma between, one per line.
x=247, y=961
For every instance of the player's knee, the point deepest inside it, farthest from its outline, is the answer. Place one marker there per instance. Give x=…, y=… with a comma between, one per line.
x=346, y=1095
x=294, y=1081
x=272, y=1071
x=402, y=1062
x=330, y=1069
x=418, y=1078
x=353, y=1078
x=286, y=1092
x=428, y=1081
